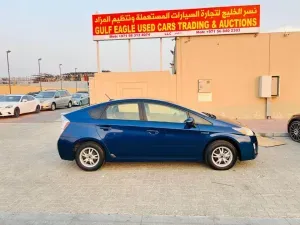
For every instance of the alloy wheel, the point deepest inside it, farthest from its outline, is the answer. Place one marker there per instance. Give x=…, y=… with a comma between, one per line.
x=89, y=157
x=222, y=156
x=295, y=131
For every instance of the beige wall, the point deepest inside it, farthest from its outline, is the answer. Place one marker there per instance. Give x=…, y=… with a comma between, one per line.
x=232, y=62
x=22, y=89
x=126, y=85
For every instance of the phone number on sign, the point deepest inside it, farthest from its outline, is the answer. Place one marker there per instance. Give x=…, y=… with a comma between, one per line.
x=144, y=35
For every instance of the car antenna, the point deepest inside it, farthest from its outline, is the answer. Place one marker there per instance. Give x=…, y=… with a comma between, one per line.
x=108, y=97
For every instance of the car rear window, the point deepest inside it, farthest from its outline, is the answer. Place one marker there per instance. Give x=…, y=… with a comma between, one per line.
x=96, y=112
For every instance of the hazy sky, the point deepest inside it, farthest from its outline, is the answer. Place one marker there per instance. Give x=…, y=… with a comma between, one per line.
x=59, y=31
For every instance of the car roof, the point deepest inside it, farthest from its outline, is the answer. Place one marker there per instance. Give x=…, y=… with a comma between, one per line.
x=15, y=95
x=141, y=99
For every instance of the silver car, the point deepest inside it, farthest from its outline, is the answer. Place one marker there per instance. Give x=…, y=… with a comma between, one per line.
x=53, y=99
x=80, y=99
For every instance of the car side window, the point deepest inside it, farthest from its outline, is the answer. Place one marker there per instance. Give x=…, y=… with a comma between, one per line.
x=67, y=93
x=24, y=98
x=30, y=98
x=57, y=94
x=199, y=120
x=164, y=113
x=62, y=93
x=126, y=111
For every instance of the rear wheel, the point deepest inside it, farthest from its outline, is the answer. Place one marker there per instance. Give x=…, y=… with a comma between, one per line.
x=16, y=112
x=53, y=106
x=221, y=155
x=89, y=156
x=294, y=130
x=38, y=109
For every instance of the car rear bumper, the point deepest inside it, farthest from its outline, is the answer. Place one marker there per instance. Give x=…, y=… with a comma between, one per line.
x=6, y=112
x=65, y=146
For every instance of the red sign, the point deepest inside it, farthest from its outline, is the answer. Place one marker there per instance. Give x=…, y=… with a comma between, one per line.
x=172, y=23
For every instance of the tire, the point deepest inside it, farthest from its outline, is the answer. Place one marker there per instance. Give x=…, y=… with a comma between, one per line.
x=53, y=106
x=216, y=148
x=16, y=112
x=294, y=130
x=69, y=104
x=80, y=103
x=38, y=109
x=85, y=148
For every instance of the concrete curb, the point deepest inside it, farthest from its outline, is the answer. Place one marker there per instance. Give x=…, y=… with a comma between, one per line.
x=118, y=219
x=272, y=134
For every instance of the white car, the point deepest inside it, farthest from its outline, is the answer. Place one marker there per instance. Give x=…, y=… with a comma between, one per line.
x=15, y=105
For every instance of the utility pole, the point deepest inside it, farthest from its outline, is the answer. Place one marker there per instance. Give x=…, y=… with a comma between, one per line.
x=39, y=62
x=60, y=76
x=76, y=78
x=7, y=52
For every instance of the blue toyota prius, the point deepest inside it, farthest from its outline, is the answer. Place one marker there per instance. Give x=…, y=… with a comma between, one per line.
x=152, y=130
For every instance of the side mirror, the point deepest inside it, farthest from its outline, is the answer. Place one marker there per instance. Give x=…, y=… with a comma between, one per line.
x=56, y=97
x=190, y=122
x=24, y=100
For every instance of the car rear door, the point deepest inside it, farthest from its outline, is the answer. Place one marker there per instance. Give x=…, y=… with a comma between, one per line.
x=120, y=128
x=168, y=135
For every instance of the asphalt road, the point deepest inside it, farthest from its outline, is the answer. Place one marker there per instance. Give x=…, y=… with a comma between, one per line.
x=42, y=117
x=33, y=179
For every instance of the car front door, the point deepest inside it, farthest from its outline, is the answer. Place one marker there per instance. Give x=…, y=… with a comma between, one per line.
x=168, y=134
x=58, y=99
x=24, y=105
x=121, y=131
x=64, y=99
x=32, y=103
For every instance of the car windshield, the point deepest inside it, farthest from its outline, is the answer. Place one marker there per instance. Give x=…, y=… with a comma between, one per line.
x=76, y=95
x=47, y=94
x=10, y=98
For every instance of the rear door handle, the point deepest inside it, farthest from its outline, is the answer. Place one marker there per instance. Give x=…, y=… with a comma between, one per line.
x=152, y=132
x=105, y=128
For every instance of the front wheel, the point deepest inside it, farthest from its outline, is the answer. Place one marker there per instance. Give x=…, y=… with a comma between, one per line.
x=294, y=130
x=16, y=112
x=69, y=104
x=221, y=155
x=89, y=156
x=53, y=106
x=38, y=109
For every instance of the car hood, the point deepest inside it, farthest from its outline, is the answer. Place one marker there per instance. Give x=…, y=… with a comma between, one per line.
x=44, y=99
x=226, y=120
x=76, y=99
x=4, y=104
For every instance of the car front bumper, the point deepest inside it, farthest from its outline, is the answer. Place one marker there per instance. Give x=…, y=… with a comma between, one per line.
x=45, y=106
x=6, y=112
x=248, y=148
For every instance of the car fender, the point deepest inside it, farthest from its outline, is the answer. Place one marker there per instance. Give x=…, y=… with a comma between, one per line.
x=97, y=141
x=232, y=138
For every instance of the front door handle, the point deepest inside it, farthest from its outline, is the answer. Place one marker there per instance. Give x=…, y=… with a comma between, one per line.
x=152, y=132
x=105, y=128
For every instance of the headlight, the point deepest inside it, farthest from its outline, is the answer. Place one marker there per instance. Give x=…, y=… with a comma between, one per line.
x=244, y=130
x=9, y=106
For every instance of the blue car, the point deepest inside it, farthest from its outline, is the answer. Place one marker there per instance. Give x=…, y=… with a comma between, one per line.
x=140, y=130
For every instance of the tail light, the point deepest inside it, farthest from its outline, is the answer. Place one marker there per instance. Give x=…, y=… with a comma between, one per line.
x=65, y=122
